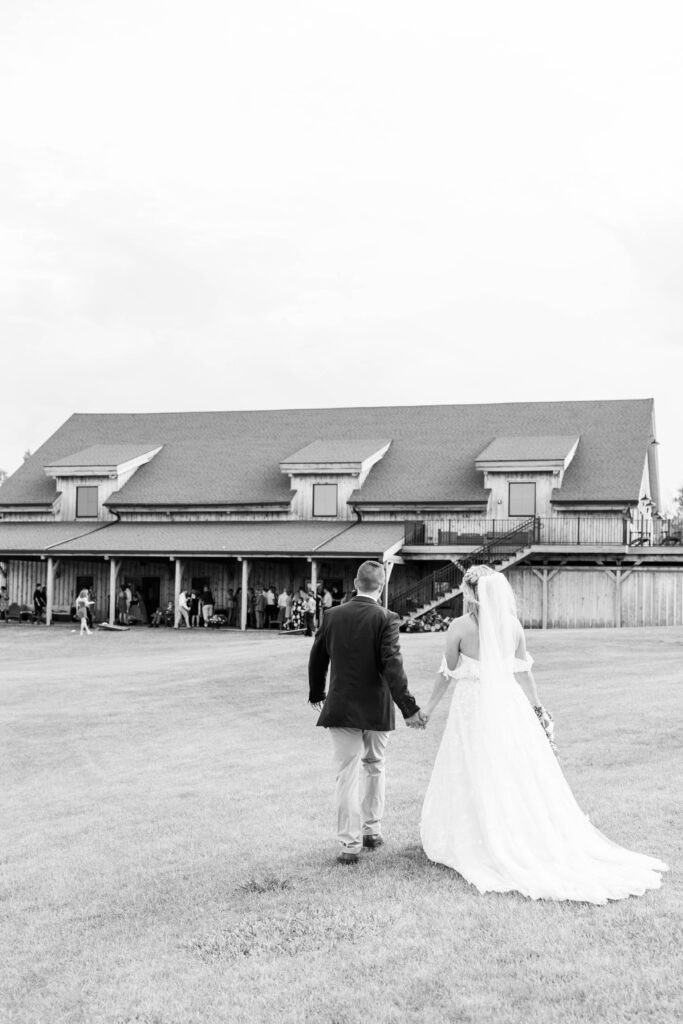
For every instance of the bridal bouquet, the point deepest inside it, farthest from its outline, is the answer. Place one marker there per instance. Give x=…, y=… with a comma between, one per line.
x=546, y=720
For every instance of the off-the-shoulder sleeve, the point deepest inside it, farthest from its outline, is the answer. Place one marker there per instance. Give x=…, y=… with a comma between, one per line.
x=522, y=664
x=444, y=669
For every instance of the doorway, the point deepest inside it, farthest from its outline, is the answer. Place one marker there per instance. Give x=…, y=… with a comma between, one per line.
x=150, y=591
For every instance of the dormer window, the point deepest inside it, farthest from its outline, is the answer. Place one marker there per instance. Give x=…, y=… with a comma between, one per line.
x=522, y=472
x=107, y=466
x=326, y=473
x=522, y=499
x=87, y=502
x=325, y=499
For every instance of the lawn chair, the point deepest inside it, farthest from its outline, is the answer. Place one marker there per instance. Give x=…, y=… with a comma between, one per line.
x=13, y=612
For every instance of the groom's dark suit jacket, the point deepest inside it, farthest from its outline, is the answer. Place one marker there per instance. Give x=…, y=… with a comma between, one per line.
x=360, y=642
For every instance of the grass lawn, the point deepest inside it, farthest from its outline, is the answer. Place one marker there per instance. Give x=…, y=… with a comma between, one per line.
x=168, y=852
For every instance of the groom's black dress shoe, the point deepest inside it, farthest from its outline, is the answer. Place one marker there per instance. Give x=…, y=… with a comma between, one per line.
x=347, y=858
x=372, y=842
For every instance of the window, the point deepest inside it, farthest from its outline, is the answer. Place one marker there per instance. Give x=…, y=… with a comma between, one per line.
x=86, y=502
x=324, y=499
x=522, y=499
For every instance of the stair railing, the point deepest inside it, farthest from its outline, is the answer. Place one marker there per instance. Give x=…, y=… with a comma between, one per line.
x=448, y=578
x=499, y=548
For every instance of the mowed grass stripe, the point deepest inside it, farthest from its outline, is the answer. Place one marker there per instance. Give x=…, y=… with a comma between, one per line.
x=168, y=842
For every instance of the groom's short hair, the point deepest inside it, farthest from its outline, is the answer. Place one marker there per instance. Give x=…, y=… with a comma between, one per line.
x=370, y=576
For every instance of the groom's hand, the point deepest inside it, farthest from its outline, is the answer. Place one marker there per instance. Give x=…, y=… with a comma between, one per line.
x=317, y=705
x=416, y=721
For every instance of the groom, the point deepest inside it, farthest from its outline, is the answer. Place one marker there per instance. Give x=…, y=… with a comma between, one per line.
x=360, y=640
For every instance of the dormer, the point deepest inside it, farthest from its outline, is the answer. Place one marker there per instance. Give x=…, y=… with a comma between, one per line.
x=522, y=473
x=325, y=473
x=86, y=479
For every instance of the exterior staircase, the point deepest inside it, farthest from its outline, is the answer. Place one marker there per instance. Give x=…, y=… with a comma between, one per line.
x=446, y=583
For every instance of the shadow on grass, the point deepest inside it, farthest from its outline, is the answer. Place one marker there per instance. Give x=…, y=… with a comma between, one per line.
x=265, y=883
x=287, y=931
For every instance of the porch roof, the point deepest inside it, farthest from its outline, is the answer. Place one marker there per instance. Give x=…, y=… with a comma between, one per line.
x=283, y=537
x=38, y=538
x=374, y=539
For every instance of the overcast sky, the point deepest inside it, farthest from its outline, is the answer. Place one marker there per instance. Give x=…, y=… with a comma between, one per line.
x=222, y=204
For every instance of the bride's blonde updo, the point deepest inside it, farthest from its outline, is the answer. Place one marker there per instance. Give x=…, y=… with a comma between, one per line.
x=469, y=587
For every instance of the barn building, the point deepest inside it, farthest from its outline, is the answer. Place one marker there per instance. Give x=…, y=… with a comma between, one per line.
x=562, y=496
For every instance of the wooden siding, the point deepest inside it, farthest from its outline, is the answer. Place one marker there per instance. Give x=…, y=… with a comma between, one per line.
x=580, y=599
x=584, y=598
x=653, y=598
x=27, y=517
x=189, y=516
x=24, y=576
x=529, y=596
x=68, y=486
x=397, y=516
x=498, y=482
x=302, y=501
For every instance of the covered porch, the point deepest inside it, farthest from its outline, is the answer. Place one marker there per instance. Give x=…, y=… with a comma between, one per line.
x=162, y=559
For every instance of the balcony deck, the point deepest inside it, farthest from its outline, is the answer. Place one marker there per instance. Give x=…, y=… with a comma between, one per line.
x=444, y=552
x=572, y=535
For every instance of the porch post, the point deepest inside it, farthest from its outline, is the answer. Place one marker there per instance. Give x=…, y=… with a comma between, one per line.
x=544, y=613
x=314, y=575
x=388, y=569
x=49, y=586
x=545, y=576
x=245, y=583
x=176, y=591
x=114, y=566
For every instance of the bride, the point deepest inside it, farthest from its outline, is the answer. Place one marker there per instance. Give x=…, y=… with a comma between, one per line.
x=498, y=809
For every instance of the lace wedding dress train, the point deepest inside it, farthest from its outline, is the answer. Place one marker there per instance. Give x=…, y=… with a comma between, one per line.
x=499, y=811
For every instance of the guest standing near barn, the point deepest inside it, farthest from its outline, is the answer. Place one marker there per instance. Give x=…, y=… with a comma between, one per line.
x=208, y=604
x=183, y=609
x=122, y=605
x=309, y=612
x=194, y=609
x=82, y=603
x=231, y=602
x=38, y=604
x=282, y=607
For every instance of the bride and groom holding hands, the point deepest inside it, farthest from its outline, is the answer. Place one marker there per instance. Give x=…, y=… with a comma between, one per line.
x=498, y=809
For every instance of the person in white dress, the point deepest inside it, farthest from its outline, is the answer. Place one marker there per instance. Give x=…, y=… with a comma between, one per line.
x=498, y=809
x=83, y=602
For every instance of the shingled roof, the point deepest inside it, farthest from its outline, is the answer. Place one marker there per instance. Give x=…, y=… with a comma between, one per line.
x=333, y=450
x=527, y=449
x=234, y=457
x=106, y=455
x=275, y=537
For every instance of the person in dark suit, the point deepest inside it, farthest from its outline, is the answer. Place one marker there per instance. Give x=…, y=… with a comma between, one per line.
x=359, y=640
x=39, y=604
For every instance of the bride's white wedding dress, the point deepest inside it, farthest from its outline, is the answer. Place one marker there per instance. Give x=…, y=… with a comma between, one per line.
x=498, y=809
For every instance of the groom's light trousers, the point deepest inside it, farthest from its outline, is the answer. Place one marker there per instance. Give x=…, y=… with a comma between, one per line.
x=358, y=815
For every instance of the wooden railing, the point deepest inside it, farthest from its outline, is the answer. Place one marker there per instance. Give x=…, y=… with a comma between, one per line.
x=449, y=532
x=564, y=530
